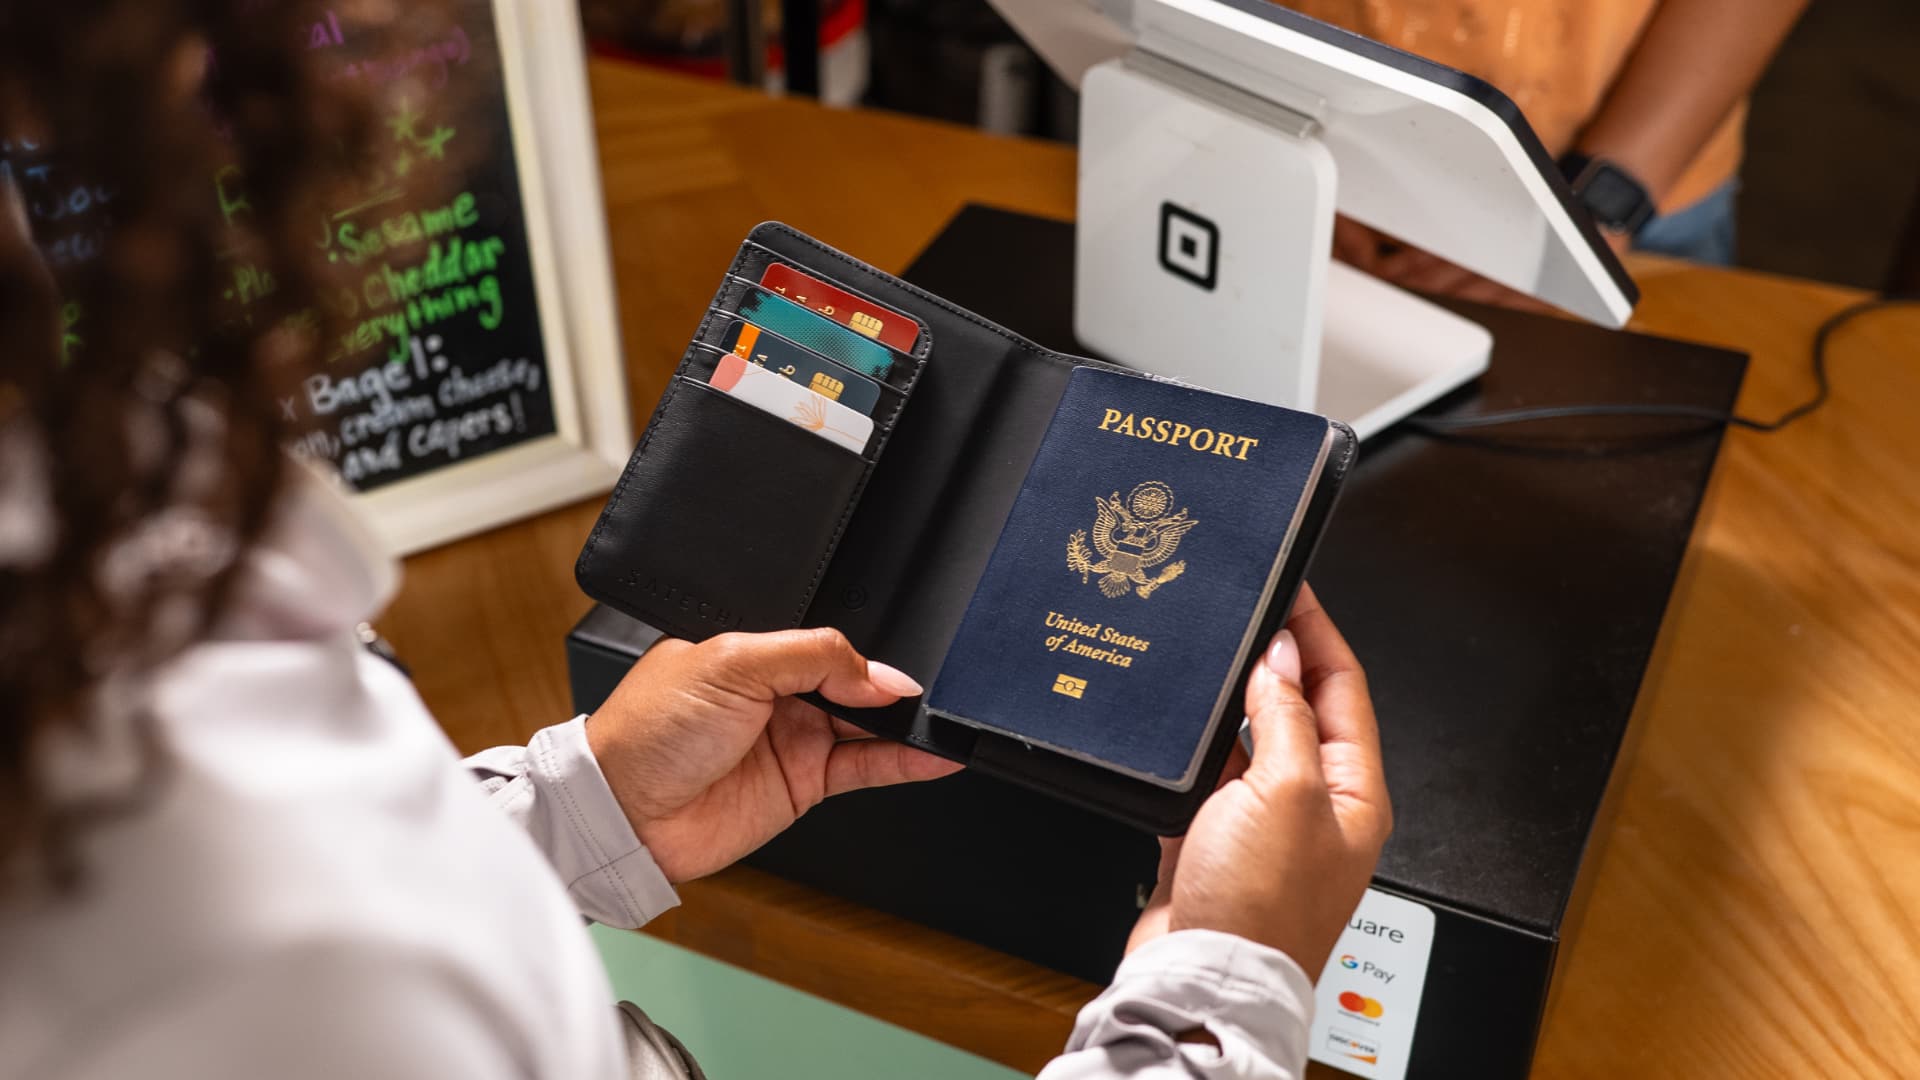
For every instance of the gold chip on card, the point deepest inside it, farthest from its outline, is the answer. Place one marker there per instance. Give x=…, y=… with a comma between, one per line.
x=869, y=325
x=826, y=386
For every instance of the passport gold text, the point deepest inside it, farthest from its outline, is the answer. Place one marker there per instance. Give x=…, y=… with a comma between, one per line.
x=1093, y=641
x=1174, y=433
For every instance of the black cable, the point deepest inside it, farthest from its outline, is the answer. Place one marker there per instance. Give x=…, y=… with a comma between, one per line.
x=1443, y=425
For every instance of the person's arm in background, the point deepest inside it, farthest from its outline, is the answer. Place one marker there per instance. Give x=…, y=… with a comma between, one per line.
x=1693, y=62
x=1218, y=980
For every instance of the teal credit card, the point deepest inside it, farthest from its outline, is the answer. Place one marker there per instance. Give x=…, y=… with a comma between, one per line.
x=816, y=332
x=834, y=381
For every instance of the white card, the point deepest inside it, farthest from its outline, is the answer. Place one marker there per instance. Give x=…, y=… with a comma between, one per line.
x=1368, y=998
x=790, y=401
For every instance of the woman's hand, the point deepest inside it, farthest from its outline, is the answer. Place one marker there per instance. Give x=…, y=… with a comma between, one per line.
x=1282, y=852
x=711, y=755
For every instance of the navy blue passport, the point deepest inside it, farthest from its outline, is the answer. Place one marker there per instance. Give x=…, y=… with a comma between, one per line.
x=1132, y=574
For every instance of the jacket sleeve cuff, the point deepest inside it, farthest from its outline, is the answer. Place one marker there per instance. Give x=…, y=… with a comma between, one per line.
x=1254, y=1000
x=554, y=788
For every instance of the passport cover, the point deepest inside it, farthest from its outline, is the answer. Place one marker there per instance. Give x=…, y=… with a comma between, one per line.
x=729, y=519
x=1132, y=573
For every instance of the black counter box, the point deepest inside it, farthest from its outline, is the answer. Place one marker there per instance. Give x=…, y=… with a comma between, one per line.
x=1505, y=596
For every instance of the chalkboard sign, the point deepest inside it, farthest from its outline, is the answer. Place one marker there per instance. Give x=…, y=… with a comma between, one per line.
x=480, y=377
x=482, y=380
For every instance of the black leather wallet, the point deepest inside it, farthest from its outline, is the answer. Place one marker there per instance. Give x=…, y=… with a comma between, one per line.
x=729, y=518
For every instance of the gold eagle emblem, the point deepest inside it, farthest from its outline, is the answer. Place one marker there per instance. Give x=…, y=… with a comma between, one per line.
x=1131, y=537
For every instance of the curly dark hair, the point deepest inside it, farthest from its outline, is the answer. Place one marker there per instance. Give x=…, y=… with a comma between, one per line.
x=151, y=150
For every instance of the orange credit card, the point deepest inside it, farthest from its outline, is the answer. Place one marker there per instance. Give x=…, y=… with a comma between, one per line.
x=856, y=313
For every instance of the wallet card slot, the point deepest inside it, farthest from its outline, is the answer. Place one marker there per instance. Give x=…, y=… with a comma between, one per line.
x=755, y=258
x=725, y=518
x=701, y=362
x=783, y=433
x=814, y=330
x=752, y=281
x=704, y=359
x=704, y=355
x=732, y=289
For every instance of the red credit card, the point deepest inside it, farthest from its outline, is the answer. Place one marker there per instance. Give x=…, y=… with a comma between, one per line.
x=858, y=314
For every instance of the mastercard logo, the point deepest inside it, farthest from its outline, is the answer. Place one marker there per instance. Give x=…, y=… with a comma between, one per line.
x=1364, y=1006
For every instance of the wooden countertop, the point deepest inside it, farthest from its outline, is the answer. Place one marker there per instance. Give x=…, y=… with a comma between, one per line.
x=1758, y=908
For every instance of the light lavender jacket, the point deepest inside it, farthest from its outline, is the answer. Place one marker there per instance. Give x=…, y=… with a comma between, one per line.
x=320, y=889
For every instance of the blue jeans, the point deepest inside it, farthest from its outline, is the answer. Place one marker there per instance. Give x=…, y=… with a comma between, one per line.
x=1703, y=232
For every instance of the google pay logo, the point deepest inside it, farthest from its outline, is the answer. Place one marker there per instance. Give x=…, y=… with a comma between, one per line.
x=1349, y=962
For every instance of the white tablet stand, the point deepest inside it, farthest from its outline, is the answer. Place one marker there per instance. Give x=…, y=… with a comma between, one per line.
x=1217, y=138
x=1204, y=252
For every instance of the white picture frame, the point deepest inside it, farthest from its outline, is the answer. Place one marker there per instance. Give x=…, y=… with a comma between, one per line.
x=548, y=105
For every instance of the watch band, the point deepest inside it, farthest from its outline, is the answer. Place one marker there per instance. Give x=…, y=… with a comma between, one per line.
x=1617, y=200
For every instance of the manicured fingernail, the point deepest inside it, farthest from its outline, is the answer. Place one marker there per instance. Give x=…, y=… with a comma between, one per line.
x=1283, y=657
x=893, y=680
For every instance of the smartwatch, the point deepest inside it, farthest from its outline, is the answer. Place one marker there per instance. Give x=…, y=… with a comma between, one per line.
x=1618, y=202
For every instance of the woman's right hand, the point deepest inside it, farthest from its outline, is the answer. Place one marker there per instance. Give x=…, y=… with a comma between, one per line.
x=1283, y=851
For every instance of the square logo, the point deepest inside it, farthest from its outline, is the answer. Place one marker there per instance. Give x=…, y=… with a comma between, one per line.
x=1069, y=686
x=1189, y=246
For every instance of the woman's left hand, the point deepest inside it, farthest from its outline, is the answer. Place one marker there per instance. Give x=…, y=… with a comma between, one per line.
x=711, y=755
